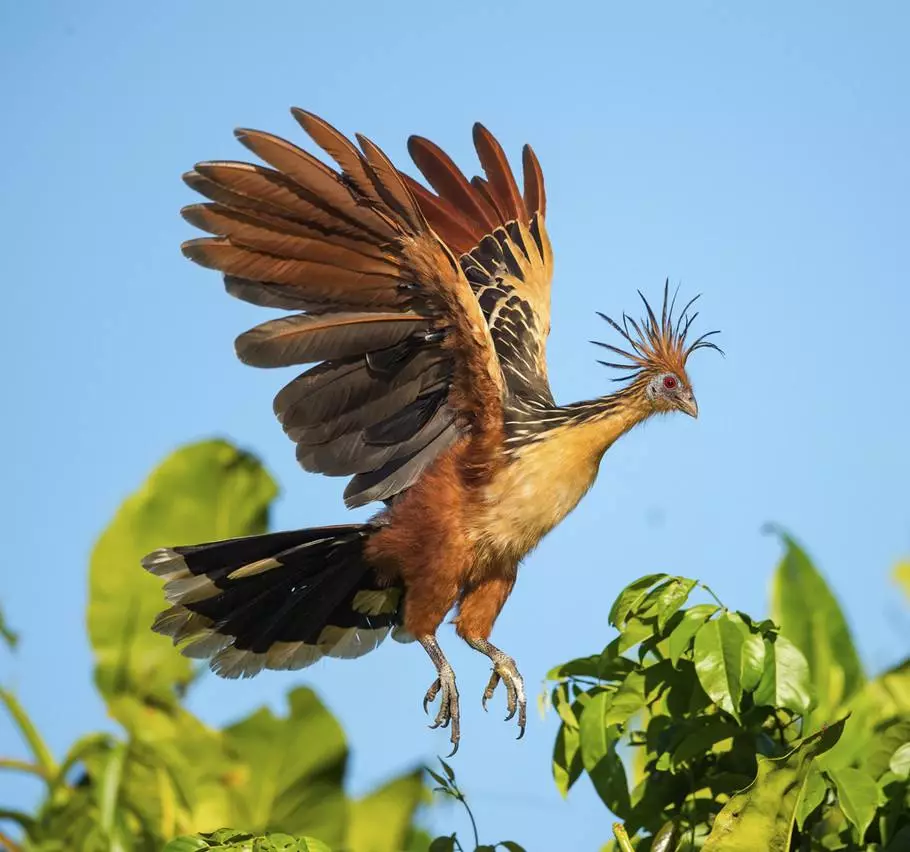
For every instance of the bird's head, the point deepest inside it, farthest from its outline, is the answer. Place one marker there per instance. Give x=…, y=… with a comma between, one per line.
x=656, y=352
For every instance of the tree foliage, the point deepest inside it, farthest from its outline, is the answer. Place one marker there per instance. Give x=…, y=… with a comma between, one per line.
x=743, y=734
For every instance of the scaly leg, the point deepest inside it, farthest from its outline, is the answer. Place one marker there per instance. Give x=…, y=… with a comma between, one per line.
x=444, y=686
x=480, y=605
x=505, y=670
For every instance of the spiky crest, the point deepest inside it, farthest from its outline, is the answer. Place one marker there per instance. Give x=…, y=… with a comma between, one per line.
x=656, y=346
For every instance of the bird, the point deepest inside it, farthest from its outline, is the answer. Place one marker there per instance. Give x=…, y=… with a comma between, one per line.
x=425, y=308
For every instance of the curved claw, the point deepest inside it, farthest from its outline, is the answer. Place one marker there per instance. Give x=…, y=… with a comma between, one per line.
x=448, y=714
x=505, y=670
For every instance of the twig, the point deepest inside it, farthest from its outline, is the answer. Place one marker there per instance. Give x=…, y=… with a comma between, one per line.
x=619, y=832
x=22, y=766
x=709, y=590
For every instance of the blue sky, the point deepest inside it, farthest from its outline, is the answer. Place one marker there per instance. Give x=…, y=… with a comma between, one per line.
x=756, y=153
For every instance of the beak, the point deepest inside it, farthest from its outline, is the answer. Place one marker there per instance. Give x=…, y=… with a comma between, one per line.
x=689, y=405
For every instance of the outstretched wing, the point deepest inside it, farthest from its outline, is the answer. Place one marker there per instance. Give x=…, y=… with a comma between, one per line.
x=408, y=362
x=499, y=235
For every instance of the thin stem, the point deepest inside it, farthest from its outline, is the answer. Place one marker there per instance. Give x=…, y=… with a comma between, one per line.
x=622, y=838
x=467, y=807
x=22, y=766
x=708, y=589
x=29, y=732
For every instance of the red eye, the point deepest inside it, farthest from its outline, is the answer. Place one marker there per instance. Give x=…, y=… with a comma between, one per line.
x=670, y=382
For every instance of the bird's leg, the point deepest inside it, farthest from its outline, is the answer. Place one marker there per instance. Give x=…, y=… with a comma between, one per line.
x=444, y=686
x=479, y=607
x=505, y=670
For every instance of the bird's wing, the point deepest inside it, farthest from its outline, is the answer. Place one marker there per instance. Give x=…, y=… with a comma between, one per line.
x=408, y=361
x=500, y=238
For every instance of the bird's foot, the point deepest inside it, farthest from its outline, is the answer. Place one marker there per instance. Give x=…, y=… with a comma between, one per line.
x=444, y=687
x=505, y=670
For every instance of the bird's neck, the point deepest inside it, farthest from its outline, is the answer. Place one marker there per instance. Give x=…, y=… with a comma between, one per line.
x=607, y=418
x=592, y=425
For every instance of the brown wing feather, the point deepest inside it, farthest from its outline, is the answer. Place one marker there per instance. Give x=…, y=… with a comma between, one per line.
x=409, y=362
x=305, y=338
x=509, y=263
x=535, y=194
x=444, y=218
x=447, y=179
x=499, y=174
x=340, y=149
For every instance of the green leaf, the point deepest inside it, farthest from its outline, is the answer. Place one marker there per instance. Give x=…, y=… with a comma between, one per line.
x=609, y=779
x=699, y=741
x=857, y=795
x=582, y=667
x=810, y=617
x=627, y=700
x=762, y=815
x=186, y=844
x=443, y=844
x=510, y=846
x=879, y=703
x=598, y=754
x=567, y=765
x=680, y=639
x=812, y=796
x=718, y=662
x=634, y=631
x=900, y=762
x=594, y=737
x=672, y=599
x=630, y=597
x=294, y=768
x=667, y=837
x=203, y=492
x=785, y=681
x=884, y=740
x=381, y=821
x=900, y=842
x=753, y=654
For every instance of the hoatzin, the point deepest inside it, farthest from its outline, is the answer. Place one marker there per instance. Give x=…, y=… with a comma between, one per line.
x=428, y=313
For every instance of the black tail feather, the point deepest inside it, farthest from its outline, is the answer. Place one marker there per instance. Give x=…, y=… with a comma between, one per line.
x=278, y=601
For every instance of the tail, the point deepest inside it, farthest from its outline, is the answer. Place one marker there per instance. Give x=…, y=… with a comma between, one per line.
x=276, y=601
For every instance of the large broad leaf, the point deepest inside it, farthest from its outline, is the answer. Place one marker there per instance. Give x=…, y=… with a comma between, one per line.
x=881, y=702
x=203, y=492
x=599, y=757
x=381, y=821
x=293, y=770
x=809, y=615
x=785, y=680
x=718, y=662
x=680, y=639
x=567, y=765
x=762, y=816
x=857, y=795
x=188, y=762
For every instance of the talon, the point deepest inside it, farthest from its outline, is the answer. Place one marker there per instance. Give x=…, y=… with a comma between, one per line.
x=431, y=695
x=491, y=688
x=504, y=670
x=444, y=687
